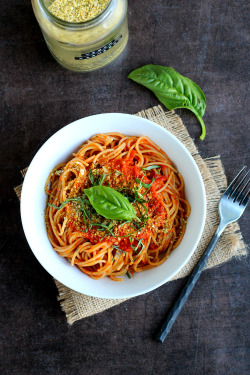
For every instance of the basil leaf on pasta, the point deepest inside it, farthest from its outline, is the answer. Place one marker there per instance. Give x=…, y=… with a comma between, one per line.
x=110, y=203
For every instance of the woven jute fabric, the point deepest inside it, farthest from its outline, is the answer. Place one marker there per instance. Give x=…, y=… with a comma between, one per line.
x=77, y=306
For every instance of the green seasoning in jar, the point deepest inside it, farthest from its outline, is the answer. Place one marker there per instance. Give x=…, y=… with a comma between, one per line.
x=77, y=10
x=83, y=35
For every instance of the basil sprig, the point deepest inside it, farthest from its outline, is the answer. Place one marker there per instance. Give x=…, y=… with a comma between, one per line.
x=110, y=203
x=172, y=89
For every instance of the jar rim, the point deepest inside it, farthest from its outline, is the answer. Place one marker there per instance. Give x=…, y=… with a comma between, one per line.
x=87, y=23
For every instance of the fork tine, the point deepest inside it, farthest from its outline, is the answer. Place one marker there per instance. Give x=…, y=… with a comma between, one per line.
x=241, y=196
x=244, y=197
x=236, y=192
x=229, y=188
x=245, y=200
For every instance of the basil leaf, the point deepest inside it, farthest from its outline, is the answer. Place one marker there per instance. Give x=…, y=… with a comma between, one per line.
x=142, y=247
x=100, y=182
x=78, y=199
x=91, y=177
x=146, y=186
x=110, y=203
x=151, y=167
x=172, y=89
x=117, y=248
x=104, y=227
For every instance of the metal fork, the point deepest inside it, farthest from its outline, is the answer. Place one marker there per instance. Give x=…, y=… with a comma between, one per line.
x=231, y=206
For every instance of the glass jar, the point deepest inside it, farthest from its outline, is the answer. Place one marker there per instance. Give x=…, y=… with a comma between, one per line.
x=88, y=45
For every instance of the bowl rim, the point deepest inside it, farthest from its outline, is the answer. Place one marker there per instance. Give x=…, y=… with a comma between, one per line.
x=128, y=294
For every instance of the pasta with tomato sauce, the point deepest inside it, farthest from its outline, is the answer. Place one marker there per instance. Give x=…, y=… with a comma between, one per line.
x=117, y=207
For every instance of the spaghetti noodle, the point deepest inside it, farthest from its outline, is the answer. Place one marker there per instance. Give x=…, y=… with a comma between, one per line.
x=144, y=176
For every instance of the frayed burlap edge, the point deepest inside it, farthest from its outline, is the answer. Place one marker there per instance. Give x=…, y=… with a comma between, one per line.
x=77, y=306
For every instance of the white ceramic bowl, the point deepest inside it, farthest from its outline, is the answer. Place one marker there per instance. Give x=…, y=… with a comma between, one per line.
x=59, y=148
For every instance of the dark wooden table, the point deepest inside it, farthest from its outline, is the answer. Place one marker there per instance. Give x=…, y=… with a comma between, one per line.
x=208, y=42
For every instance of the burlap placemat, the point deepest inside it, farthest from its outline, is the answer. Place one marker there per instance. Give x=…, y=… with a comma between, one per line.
x=77, y=306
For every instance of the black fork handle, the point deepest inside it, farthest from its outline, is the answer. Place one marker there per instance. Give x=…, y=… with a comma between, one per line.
x=178, y=305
